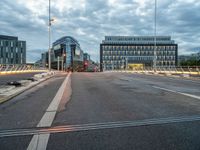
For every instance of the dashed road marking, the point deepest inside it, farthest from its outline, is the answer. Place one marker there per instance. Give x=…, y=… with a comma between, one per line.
x=185, y=94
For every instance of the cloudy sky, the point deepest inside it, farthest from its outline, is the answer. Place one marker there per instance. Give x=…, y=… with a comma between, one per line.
x=90, y=20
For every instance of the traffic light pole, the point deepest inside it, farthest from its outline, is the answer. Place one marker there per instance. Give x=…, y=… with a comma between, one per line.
x=62, y=62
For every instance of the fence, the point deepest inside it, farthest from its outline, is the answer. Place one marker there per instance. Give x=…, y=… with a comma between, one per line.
x=6, y=69
x=186, y=71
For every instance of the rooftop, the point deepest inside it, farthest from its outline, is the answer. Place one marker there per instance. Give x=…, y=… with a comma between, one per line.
x=63, y=39
x=6, y=37
x=137, y=40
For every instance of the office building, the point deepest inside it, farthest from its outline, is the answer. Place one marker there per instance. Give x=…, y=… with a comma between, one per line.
x=44, y=59
x=68, y=53
x=120, y=52
x=12, y=50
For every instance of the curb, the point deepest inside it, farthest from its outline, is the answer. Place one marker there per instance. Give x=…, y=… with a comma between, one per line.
x=3, y=100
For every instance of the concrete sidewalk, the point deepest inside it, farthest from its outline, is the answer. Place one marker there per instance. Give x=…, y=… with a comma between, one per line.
x=8, y=92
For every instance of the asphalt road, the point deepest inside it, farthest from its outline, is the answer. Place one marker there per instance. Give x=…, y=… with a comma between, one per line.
x=15, y=77
x=110, y=111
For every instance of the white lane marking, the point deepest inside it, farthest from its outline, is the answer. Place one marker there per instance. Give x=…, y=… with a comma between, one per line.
x=39, y=142
x=182, y=79
x=47, y=119
x=185, y=94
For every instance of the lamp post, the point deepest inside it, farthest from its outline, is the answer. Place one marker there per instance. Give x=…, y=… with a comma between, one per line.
x=62, y=64
x=58, y=67
x=126, y=61
x=112, y=64
x=155, y=19
x=63, y=56
x=49, y=31
x=49, y=27
x=122, y=64
x=103, y=67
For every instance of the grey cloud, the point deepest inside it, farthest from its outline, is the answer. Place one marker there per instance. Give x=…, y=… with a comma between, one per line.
x=89, y=25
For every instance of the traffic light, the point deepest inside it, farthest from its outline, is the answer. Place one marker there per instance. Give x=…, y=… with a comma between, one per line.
x=86, y=63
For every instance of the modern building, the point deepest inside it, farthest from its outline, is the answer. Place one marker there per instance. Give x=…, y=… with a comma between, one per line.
x=12, y=50
x=67, y=54
x=86, y=56
x=88, y=63
x=120, y=52
x=44, y=59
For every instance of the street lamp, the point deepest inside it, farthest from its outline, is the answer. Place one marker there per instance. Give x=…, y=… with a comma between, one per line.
x=112, y=65
x=126, y=61
x=103, y=66
x=49, y=28
x=58, y=63
x=155, y=19
x=63, y=56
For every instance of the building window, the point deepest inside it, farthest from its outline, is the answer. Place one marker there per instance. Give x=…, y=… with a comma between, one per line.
x=1, y=52
x=6, y=43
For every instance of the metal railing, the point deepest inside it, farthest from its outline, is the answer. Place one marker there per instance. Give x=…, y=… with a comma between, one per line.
x=181, y=70
x=174, y=70
x=5, y=69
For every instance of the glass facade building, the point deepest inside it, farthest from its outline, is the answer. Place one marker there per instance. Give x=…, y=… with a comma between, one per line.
x=12, y=50
x=68, y=49
x=117, y=52
x=86, y=57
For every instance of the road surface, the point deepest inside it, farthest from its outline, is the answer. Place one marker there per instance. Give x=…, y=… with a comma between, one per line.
x=105, y=111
